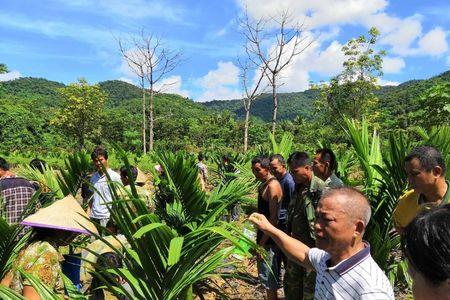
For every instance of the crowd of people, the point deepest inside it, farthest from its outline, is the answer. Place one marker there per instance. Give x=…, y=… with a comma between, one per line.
x=309, y=224
x=327, y=257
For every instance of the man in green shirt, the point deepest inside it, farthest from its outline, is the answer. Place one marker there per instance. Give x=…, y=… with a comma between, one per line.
x=301, y=220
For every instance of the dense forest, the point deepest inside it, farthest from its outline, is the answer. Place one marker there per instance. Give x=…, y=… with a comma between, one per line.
x=29, y=106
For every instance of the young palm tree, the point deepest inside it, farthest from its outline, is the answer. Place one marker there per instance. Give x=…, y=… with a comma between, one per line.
x=174, y=251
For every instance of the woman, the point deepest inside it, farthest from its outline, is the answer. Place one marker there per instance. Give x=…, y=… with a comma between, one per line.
x=53, y=226
x=426, y=242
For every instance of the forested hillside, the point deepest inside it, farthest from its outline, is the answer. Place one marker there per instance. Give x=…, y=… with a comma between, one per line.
x=395, y=102
x=29, y=106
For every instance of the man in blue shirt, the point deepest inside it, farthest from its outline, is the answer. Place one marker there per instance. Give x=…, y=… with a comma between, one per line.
x=278, y=169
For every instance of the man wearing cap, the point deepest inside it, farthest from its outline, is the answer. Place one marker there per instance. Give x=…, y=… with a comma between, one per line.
x=53, y=226
x=98, y=210
x=425, y=169
x=15, y=194
x=345, y=269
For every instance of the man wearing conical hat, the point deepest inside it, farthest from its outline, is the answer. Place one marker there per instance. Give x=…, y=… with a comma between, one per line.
x=53, y=226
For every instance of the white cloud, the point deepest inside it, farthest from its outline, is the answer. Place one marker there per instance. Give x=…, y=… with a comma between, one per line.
x=172, y=85
x=393, y=64
x=404, y=36
x=221, y=83
x=383, y=82
x=397, y=33
x=318, y=13
x=225, y=74
x=434, y=42
x=10, y=76
x=326, y=62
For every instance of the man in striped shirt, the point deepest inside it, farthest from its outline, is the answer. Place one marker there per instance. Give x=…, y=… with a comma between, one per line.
x=345, y=269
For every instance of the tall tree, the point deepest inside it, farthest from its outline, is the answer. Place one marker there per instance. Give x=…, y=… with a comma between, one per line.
x=82, y=111
x=251, y=92
x=351, y=93
x=159, y=61
x=289, y=43
x=136, y=62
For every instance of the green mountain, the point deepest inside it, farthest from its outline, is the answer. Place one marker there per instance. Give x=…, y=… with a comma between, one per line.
x=393, y=100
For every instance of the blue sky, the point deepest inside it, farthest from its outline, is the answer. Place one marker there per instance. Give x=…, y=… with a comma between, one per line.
x=63, y=40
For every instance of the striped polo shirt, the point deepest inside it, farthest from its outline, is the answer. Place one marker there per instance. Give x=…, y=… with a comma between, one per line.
x=357, y=277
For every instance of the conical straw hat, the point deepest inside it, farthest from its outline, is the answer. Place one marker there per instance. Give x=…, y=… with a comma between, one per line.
x=64, y=214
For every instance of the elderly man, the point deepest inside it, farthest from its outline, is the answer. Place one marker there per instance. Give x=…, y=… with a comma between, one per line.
x=324, y=166
x=425, y=168
x=345, y=269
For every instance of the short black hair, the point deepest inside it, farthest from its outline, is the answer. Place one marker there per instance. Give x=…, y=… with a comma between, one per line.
x=262, y=160
x=38, y=164
x=299, y=159
x=99, y=151
x=327, y=155
x=426, y=244
x=279, y=157
x=200, y=156
x=429, y=157
x=124, y=172
x=4, y=164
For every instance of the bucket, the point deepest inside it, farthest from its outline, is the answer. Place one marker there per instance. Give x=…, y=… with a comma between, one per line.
x=71, y=268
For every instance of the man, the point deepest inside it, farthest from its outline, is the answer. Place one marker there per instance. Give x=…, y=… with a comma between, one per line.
x=15, y=194
x=98, y=211
x=278, y=169
x=269, y=197
x=139, y=179
x=345, y=269
x=301, y=221
x=425, y=169
x=203, y=171
x=324, y=167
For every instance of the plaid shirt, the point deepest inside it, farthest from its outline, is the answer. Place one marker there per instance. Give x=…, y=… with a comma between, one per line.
x=15, y=193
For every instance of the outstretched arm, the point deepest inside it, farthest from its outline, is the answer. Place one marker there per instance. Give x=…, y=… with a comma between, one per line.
x=294, y=249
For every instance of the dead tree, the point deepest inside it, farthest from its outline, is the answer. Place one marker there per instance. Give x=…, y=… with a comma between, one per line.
x=159, y=61
x=138, y=66
x=251, y=92
x=289, y=43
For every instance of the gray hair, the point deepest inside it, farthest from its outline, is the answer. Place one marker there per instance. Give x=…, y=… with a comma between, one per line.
x=356, y=206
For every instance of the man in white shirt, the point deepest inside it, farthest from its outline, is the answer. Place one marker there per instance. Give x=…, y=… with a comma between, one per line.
x=98, y=210
x=345, y=269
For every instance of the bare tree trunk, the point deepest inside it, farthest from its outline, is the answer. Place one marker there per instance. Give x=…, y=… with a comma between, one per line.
x=151, y=119
x=144, y=121
x=247, y=117
x=275, y=108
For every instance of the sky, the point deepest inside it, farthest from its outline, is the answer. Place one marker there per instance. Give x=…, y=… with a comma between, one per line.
x=63, y=40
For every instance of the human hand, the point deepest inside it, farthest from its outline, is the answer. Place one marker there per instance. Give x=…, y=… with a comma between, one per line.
x=260, y=221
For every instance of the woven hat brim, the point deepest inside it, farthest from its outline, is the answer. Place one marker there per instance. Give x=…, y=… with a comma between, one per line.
x=32, y=224
x=65, y=214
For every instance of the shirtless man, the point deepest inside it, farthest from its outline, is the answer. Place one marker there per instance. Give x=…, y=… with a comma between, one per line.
x=269, y=197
